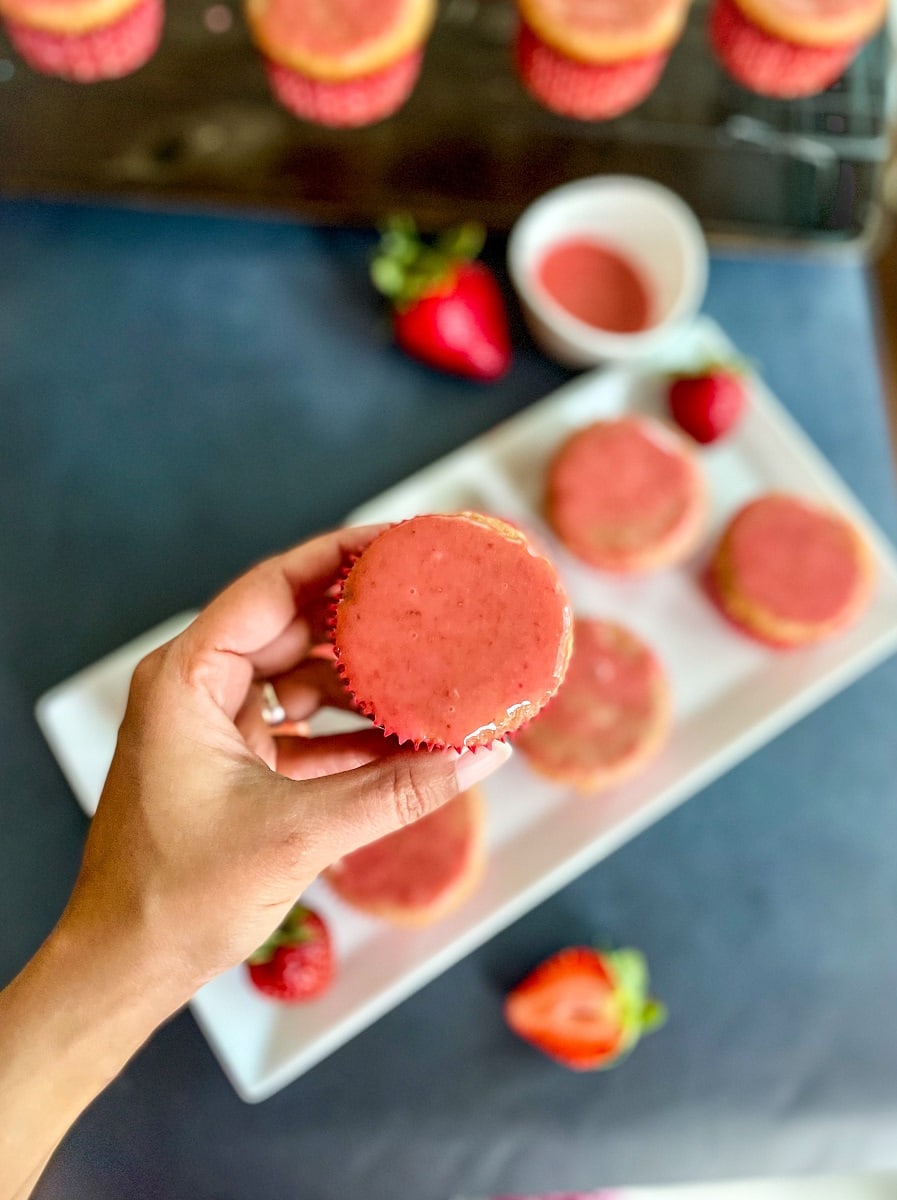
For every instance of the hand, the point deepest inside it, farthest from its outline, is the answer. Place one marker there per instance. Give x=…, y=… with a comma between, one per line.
x=208, y=828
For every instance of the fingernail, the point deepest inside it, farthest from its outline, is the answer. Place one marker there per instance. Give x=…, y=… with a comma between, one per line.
x=473, y=766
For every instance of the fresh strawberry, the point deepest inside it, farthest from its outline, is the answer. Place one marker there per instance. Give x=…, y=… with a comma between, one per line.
x=585, y=1008
x=296, y=962
x=448, y=309
x=707, y=405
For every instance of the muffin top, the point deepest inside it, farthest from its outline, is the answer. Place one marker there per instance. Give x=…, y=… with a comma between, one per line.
x=610, y=715
x=623, y=494
x=794, y=562
x=606, y=31
x=339, y=40
x=817, y=22
x=451, y=630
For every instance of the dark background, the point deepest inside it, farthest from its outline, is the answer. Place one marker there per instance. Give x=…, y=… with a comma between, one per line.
x=181, y=396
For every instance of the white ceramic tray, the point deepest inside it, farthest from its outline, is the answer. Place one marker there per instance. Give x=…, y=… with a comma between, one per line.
x=832, y=1187
x=731, y=696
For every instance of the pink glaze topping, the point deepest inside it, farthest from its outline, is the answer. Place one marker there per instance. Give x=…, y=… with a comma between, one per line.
x=415, y=867
x=596, y=284
x=451, y=630
x=610, y=707
x=793, y=560
x=617, y=487
x=329, y=29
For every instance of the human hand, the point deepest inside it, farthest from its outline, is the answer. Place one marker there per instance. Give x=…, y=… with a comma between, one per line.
x=207, y=830
x=209, y=825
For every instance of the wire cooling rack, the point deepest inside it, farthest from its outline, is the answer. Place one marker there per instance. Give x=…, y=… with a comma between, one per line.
x=197, y=126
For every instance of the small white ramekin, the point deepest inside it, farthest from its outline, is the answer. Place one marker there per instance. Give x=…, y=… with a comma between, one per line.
x=648, y=224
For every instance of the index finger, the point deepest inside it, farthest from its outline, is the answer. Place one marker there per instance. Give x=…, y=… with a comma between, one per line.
x=257, y=608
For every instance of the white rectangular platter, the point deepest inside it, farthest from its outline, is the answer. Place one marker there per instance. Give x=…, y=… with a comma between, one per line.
x=829, y=1187
x=731, y=696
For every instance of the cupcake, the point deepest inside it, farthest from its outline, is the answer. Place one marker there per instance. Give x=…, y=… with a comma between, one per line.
x=340, y=63
x=626, y=495
x=84, y=40
x=451, y=630
x=789, y=573
x=420, y=873
x=595, y=61
x=791, y=48
x=610, y=716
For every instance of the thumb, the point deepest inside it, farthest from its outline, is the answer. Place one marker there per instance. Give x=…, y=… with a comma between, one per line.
x=338, y=813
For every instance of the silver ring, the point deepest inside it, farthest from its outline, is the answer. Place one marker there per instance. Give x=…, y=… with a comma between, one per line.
x=273, y=712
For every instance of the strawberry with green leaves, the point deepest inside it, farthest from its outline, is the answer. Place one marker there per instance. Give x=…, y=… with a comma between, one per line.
x=448, y=310
x=585, y=1008
x=296, y=962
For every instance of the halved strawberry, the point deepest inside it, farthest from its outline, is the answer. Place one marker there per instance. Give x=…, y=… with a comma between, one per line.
x=448, y=309
x=585, y=1008
x=296, y=962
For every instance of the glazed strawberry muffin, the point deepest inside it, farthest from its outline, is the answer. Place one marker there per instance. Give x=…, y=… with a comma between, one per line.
x=451, y=630
x=789, y=573
x=341, y=63
x=610, y=716
x=791, y=48
x=626, y=495
x=84, y=41
x=594, y=61
x=420, y=873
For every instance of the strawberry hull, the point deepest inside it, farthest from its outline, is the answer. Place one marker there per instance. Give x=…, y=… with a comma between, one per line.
x=448, y=309
x=108, y=52
x=350, y=104
x=769, y=65
x=586, y=91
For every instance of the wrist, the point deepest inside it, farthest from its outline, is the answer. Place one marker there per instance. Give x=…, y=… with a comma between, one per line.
x=68, y=1025
x=134, y=982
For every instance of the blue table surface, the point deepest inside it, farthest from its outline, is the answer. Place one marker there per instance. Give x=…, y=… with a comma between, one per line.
x=183, y=394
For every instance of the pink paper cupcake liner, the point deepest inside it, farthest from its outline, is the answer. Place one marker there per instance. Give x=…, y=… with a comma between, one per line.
x=770, y=65
x=108, y=52
x=349, y=104
x=587, y=91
